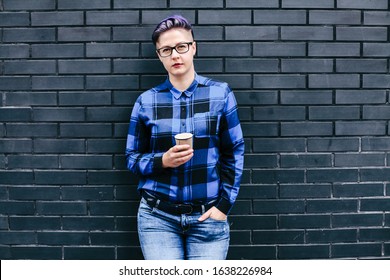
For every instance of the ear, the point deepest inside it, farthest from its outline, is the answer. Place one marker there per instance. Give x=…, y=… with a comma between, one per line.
x=194, y=47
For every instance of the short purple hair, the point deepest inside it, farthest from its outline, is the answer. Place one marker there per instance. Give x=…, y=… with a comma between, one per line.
x=175, y=21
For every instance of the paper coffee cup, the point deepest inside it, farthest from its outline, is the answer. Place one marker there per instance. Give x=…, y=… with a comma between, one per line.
x=184, y=138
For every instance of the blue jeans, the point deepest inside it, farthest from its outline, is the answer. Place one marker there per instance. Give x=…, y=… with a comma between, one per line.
x=181, y=237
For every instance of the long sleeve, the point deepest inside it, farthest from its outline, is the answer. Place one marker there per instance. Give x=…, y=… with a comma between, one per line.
x=231, y=160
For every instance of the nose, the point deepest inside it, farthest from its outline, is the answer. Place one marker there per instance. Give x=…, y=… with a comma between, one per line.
x=175, y=53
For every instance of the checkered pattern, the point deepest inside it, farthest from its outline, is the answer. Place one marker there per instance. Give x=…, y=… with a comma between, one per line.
x=207, y=109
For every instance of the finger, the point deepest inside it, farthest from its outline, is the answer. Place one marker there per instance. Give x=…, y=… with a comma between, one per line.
x=178, y=148
x=204, y=217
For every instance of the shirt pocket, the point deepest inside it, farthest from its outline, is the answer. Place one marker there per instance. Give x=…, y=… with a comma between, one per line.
x=205, y=125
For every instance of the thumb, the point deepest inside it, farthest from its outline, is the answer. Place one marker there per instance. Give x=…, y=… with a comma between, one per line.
x=205, y=216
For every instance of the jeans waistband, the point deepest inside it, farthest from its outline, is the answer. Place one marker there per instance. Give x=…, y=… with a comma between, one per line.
x=174, y=208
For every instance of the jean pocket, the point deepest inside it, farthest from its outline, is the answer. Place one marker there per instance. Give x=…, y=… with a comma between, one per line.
x=205, y=125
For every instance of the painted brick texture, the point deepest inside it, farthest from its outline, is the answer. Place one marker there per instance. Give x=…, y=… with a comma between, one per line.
x=312, y=82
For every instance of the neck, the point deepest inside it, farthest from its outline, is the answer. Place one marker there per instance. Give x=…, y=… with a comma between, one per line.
x=182, y=82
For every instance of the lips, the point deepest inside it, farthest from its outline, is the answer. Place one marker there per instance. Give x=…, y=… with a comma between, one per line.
x=177, y=65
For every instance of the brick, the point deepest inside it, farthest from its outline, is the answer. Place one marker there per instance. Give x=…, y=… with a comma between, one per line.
x=57, y=82
x=361, y=33
x=112, y=17
x=332, y=175
x=360, y=96
x=117, y=208
x=305, y=160
x=30, y=67
x=253, y=222
x=14, y=19
x=375, y=204
x=256, y=191
x=24, y=99
x=257, y=97
x=133, y=66
x=88, y=223
x=112, y=82
x=277, y=176
x=307, y=4
x=132, y=34
x=14, y=51
x=108, y=114
x=357, y=220
x=252, y=4
x=86, y=193
x=375, y=174
x=235, y=81
x=279, y=17
x=57, y=50
x=376, y=81
x=15, y=114
x=375, y=144
x=303, y=252
x=205, y=65
x=37, y=252
x=59, y=146
x=332, y=205
x=331, y=236
x=63, y=238
x=62, y=177
x=297, y=97
x=153, y=17
x=313, y=33
x=112, y=177
x=20, y=238
x=362, y=4
x=252, y=65
x=224, y=17
x=25, y=35
x=278, y=206
x=306, y=221
x=279, y=49
x=306, y=129
x=61, y=208
x=375, y=112
x=332, y=144
x=279, y=145
x=334, y=113
x=198, y=4
x=16, y=177
x=71, y=34
x=94, y=98
x=141, y=4
x=360, y=159
x=15, y=83
x=57, y=115
x=279, y=81
x=259, y=161
x=361, y=65
x=334, y=81
x=17, y=207
x=57, y=18
x=112, y=50
x=15, y=145
x=360, y=128
x=104, y=146
x=4, y=223
x=240, y=237
x=83, y=4
x=307, y=65
x=376, y=49
x=86, y=162
x=85, y=130
x=211, y=33
x=223, y=49
x=278, y=237
x=90, y=66
x=376, y=18
x=356, y=250
x=30, y=5
x=26, y=162
x=334, y=49
x=305, y=191
x=335, y=17
x=256, y=33
x=34, y=192
x=358, y=190
x=279, y=113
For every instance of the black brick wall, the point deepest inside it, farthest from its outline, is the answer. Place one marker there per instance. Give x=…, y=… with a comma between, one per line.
x=312, y=82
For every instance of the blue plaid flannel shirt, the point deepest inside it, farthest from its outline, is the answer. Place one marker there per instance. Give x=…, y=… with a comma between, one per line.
x=208, y=110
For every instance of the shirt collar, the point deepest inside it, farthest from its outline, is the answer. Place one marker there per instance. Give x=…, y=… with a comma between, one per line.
x=188, y=92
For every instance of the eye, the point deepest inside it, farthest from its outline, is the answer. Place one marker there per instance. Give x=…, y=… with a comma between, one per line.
x=165, y=51
x=181, y=47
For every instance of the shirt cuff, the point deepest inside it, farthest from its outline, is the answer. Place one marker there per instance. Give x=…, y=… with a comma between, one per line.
x=224, y=206
x=157, y=163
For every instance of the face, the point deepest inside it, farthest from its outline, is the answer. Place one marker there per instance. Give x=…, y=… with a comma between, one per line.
x=177, y=65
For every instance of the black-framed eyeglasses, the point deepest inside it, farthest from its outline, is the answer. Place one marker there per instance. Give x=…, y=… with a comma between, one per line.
x=180, y=48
